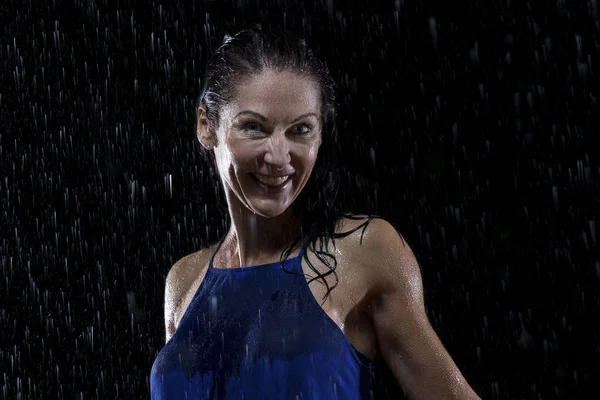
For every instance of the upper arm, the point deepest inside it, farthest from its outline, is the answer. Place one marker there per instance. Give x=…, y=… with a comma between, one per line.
x=178, y=283
x=175, y=289
x=406, y=340
x=170, y=301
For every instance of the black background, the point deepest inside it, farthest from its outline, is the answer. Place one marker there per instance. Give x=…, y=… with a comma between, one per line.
x=470, y=126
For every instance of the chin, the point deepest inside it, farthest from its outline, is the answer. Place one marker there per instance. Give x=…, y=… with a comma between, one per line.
x=268, y=213
x=268, y=209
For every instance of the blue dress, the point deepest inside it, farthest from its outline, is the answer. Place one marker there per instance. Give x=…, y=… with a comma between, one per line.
x=258, y=333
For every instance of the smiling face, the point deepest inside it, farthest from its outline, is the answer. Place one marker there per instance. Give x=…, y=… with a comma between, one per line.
x=267, y=140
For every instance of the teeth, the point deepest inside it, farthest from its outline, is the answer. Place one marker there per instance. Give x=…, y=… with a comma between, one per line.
x=273, y=181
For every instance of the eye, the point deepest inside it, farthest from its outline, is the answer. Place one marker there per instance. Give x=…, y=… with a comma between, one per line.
x=302, y=129
x=251, y=127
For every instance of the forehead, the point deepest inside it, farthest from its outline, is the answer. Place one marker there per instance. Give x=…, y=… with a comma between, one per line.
x=276, y=94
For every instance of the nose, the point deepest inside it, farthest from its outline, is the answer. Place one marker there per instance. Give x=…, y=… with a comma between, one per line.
x=278, y=152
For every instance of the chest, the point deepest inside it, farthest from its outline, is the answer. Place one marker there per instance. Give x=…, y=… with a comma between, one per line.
x=345, y=304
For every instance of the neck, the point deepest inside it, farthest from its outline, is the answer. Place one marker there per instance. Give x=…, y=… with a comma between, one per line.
x=253, y=239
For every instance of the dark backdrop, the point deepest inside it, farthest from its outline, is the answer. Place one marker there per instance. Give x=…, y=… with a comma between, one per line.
x=468, y=126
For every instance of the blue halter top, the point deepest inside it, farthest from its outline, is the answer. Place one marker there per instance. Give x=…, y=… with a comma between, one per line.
x=258, y=333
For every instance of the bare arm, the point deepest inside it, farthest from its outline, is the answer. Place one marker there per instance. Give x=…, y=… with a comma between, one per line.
x=406, y=339
x=170, y=302
x=176, y=286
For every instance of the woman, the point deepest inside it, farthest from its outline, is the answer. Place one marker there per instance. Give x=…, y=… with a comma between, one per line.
x=242, y=316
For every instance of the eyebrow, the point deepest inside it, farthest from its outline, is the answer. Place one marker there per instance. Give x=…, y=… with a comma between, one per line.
x=263, y=118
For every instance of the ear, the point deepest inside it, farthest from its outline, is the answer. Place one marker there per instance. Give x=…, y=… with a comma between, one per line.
x=206, y=136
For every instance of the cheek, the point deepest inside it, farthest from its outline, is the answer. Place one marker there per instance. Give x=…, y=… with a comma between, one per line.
x=311, y=154
x=239, y=158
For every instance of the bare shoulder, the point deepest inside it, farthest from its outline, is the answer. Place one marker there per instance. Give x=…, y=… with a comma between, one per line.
x=369, y=231
x=353, y=225
x=185, y=268
x=180, y=279
x=373, y=232
x=380, y=249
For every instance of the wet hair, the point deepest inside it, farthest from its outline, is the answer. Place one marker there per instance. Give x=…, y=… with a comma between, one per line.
x=252, y=51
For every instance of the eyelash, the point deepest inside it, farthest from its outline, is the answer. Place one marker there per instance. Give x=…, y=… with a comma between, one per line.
x=245, y=126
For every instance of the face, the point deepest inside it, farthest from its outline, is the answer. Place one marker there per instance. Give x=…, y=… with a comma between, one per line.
x=267, y=140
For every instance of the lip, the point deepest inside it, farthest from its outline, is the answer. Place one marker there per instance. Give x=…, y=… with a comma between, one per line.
x=273, y=176
x=273, y=189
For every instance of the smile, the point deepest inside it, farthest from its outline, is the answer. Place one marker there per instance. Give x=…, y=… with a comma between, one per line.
x=272, y=181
